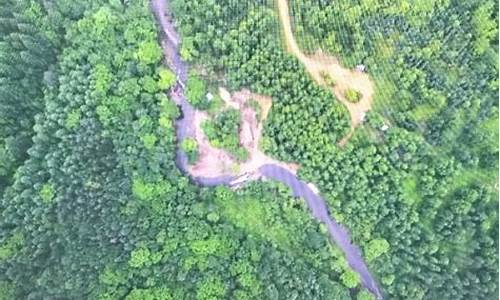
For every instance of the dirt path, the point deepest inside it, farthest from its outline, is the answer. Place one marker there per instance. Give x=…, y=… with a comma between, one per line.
x=320, y=64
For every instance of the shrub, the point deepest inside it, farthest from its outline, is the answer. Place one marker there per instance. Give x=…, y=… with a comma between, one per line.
x=352, y=95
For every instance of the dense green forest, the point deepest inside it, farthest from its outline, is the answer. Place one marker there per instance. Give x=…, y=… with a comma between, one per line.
x=92, y=205
x=435, y=199
x=427, y=186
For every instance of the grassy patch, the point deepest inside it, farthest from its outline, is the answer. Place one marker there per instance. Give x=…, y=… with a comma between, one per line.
x=409, y=189
x=467, y=177
x=423, y=113
x=256, y=217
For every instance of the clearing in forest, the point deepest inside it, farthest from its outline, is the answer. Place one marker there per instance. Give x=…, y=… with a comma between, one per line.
x=214, y=162
x=327, y=71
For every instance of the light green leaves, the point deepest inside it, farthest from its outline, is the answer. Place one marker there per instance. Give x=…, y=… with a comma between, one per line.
x=190, y=146
x=10, y=246
x=167, y=78
x=139, y=258
x=196, y=90
x=149, y=52
x=350, y=279
x=73, y=119
x=375, y=248
x=485, y=27
x=47, y=193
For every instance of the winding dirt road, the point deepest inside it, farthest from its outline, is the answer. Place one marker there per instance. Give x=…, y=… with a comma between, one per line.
x=185, y=127
x=320, y=64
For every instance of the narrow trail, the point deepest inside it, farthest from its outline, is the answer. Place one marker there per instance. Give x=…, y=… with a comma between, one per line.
x=321, y=64
x=266, y=168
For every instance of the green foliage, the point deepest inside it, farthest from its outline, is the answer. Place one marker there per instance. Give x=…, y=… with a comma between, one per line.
x=143, y=190
x=196, y=91
x=73, y=119
x=149, y=84
x=167, y=79
x=211, y=246
x=152, y=193
x=265, y=68
x=437, y=90
x=485, y=27
x=190, y=147
x=111, y=277
x=104, y=114
x=305, y=118
x=47, y=193
x=187, y=51
x=149, y=294
x=270, y=213
x=29, y=45
x=350, y=279
x=352, y=95
x=10, y=246
x=82, y=115
x=140, y=257
x=211, y=289
x=388, y=280
x=87, y=144
x=328, y=79
x=365, y=295
x=102, y=78
x=168, y=109
x=375, y=248
x=224, y=132
x=149, y=141
x=253, y=216
x=375, y=120
x=410, y=190
x=149, y=52
x=6, y=291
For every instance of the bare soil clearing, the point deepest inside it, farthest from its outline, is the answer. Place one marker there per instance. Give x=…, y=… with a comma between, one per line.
x=212, y=162
x=320, y=64
x=215, y=162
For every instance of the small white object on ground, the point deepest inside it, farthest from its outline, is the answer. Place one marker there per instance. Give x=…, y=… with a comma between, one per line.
x=361, y=68
x=362, y=116
x=210, y=97
x=314, y=188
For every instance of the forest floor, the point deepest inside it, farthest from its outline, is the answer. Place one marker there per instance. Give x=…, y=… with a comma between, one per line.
x=320, y=64
x=214, y=162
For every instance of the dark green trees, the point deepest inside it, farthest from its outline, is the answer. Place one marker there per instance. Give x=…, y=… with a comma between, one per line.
x=26, y=53
x=98, y=131
x=97, y=208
